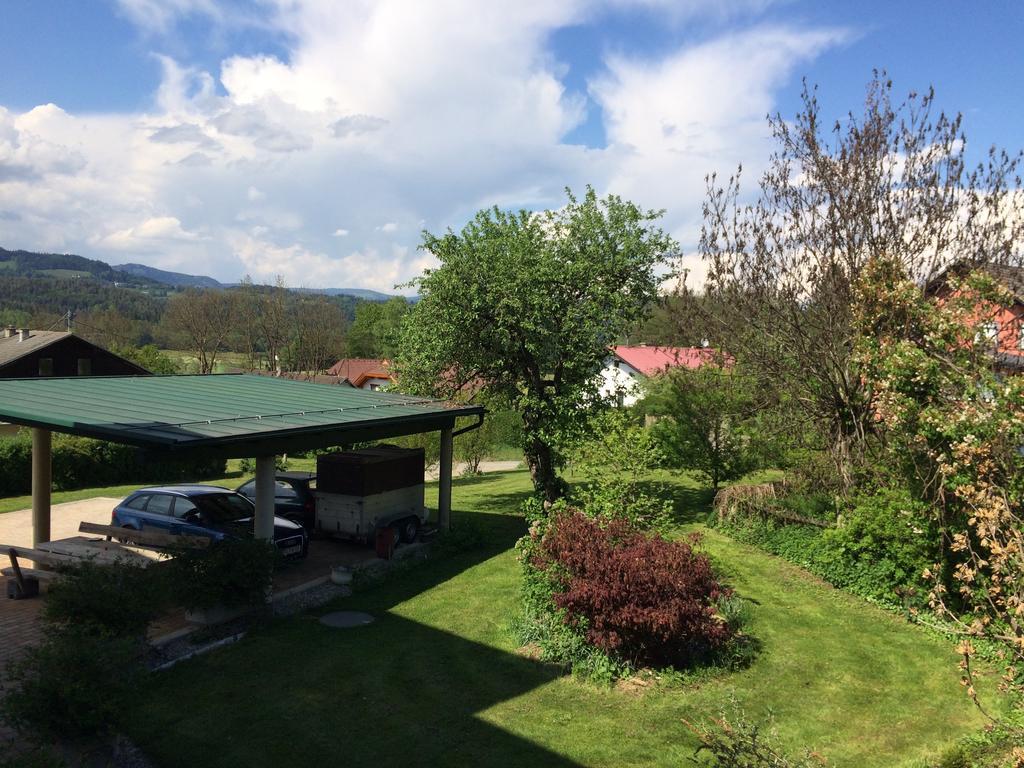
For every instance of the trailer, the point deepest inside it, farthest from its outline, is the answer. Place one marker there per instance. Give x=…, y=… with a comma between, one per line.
x=362, y=492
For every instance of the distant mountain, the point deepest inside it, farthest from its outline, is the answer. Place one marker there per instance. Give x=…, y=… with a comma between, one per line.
x=356, y=293
x=176, y=279
x=68, y=266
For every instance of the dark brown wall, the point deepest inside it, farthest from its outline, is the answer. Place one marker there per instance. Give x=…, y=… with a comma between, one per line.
x=65, y=354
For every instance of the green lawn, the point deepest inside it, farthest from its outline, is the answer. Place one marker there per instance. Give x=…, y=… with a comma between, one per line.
x=437, y=680
x=232, y=479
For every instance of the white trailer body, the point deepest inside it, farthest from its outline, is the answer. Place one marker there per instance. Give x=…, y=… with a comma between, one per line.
x=359, y=517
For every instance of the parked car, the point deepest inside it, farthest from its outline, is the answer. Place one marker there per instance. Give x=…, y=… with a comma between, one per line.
x=293, y=496
x=203, y=510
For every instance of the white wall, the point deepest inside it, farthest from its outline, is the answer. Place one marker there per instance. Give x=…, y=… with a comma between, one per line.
x=618, y=376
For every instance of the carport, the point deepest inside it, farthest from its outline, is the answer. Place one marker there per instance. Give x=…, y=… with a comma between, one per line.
x=229, y=415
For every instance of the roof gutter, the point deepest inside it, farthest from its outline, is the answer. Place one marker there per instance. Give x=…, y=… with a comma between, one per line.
x=471, y=427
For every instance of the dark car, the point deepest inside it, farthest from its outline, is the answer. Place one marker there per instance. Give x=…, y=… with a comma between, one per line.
x=202, y=510
x=293, y=496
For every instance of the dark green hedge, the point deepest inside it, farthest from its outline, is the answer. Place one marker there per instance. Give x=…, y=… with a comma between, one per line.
x=79, y=462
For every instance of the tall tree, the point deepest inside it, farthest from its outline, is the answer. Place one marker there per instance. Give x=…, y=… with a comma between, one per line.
x=893, y=182
x=525, y=304
x=203, y=319
x=273, y=321
x=319, y=327
x=376, y=328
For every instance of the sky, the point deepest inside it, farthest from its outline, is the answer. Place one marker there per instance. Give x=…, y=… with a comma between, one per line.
x=316, y=139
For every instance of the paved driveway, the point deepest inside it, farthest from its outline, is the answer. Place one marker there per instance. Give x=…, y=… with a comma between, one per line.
x=16, y=527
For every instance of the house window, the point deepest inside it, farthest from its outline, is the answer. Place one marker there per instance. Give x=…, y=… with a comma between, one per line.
x=46, y=366
x=988, y=331
x=84, y=366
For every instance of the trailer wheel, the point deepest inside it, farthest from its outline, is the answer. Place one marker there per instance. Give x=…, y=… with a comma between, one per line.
x=409, y=529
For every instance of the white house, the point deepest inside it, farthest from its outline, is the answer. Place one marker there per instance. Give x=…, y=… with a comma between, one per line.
x=626, y=368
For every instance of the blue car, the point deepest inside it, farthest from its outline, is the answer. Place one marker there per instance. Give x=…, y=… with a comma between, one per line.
x=202, y=510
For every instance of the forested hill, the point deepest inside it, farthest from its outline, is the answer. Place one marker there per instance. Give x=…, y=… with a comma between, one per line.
x=67, y=266
x=176, y=279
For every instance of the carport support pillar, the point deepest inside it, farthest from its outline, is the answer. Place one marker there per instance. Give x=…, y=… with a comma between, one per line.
x=265, y=472
x=41, y=484
x=444, y=486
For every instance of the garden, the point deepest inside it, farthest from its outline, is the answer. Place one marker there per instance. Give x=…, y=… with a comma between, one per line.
x=441, y=677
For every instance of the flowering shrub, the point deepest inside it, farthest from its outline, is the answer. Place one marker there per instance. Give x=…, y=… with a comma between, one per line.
x=955, y=428
x=639, y=598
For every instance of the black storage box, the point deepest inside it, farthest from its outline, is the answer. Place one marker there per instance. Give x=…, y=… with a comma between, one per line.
x=369, y=470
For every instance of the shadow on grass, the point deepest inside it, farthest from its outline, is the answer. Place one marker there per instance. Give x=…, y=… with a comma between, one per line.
x=395, y=692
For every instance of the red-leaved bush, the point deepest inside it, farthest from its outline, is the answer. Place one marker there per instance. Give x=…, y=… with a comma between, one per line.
x=640, y=597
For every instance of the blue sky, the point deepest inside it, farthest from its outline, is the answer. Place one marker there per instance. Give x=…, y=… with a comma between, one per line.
x=315, y=139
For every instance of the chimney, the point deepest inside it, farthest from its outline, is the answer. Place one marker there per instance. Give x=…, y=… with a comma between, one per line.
x=23, y=334
x=9, y=332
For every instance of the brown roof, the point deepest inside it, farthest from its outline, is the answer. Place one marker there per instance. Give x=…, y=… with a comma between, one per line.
x=13, y=348
x=356, y=370
x=1009, y=276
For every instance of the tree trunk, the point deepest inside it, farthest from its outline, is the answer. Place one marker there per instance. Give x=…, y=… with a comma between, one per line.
x=540, y=458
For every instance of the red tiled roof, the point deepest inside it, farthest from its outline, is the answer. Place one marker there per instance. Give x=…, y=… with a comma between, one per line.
x=652, y=360
x=359, y=369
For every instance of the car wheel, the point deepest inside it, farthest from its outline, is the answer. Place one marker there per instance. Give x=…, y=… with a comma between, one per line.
x=409, y=529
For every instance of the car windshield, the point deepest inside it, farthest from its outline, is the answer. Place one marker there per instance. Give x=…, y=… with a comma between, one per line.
x=218, y=508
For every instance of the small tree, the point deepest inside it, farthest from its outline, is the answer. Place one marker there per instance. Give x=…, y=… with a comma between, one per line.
x=616, y=461
x=707, y=421
x=526, y=304
x=150, y=358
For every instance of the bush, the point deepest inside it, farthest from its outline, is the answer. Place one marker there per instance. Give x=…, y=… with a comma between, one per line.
x=80, y=462
x=640, y=599
x=878, y=549
x=232, y=573
x=117, y=600
x=734, y=741
x=74, y=684
x=616, y=462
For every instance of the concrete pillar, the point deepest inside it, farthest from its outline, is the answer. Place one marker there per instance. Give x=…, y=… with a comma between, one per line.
x=264, y=523
x=444, y=486
x=41, y=485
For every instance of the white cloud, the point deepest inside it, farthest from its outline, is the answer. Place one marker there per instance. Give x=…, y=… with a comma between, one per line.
x=407, y=113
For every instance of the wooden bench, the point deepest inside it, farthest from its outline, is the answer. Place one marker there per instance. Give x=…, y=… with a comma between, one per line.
x=145, y=539
x=24, y=582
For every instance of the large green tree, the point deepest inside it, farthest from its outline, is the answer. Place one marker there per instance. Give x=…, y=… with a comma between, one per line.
x=524, y=305
x=376, y=328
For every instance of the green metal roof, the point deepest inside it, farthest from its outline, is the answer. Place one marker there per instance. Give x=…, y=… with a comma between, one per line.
x=234, y=414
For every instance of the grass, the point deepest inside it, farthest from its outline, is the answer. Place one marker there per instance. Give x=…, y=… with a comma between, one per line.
x=232, y=479
x=437, y=679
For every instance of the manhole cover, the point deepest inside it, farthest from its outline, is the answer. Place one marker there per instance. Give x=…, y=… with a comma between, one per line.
x=346, y=619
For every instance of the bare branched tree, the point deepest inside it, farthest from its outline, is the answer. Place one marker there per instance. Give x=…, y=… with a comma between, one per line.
x=273, y=322
x=895, y=182
x=203, y=320
x=319, y=335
